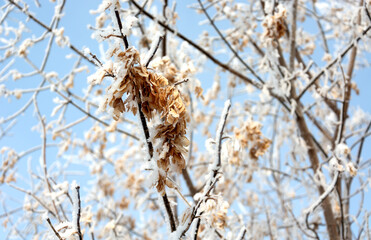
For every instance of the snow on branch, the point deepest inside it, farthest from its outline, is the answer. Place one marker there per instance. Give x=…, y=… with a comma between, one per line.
x=76, y=213
x=196, y=211
x=68, y=230
x=218, y=139
x=53, y=229
x=329, y=189
x=152, y=51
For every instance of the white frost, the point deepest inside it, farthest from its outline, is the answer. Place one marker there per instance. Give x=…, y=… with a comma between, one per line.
x=75, y=202
x=152, y=50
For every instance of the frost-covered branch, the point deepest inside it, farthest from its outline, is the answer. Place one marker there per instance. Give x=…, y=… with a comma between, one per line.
x=361, y=144
x=94, y=117
x=329, y=189
x=43, y=155
x=72, y=47
x=332, y=63
x=152, y=51
x=76, y=213
x=218, y=138
x=213, y=175
x=44, y=205
x=53, y=229
x=124, y=37
x=198, y=47
x=241, y=234
x=228, y=44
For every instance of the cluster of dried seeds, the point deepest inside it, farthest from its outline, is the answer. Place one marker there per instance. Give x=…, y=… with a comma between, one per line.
x=251, y=137
x=274, y=25
x=157, y=95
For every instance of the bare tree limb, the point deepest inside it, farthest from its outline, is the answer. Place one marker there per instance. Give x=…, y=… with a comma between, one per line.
x=52, y=227
x=228, y=44
x=332, y=63
x=72, y=47
x=198, y=47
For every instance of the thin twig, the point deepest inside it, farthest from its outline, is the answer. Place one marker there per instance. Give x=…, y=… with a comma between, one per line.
x=43, y=155
x=72, y=47
x=361, y=144
x=180, y=82
x=124, y=38
x=169, y=212
x=152, y=51
x=228, y=44
x=324, y=40
x=51, y=40
x=329, y=65
x=298, y=224
x=209, y=186
x=145, y=127
x=52, y=227
x=344, y=108
x=342, y=232
x=367, y=12
x=36, y=198
x=94, y=117
x=199, y=48
x=219, y=135
x=77, y=206
x=196, y=227
x=11, y=212
x=293, y=36
x=91, y=232
x=268, y=222
x=277, y=171
x=242, y=233
x=71, y=124
x=164, y=42
x=96, y=59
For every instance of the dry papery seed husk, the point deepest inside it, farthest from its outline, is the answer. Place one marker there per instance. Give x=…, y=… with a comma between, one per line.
x=158, y=96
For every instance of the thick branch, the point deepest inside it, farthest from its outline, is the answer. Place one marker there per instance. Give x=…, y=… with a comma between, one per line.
x=312, y=153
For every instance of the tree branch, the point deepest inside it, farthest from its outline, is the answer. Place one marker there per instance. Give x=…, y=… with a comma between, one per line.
x=124, y=38
x=52, y=227
x=329, y=65
x=72, y=47
x=197, y=46
x=77, y=208
x=228, y=44
x=214, y=169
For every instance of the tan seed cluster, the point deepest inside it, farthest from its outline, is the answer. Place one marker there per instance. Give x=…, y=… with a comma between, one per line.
x=158, y=95
x=251, y=137
x=274, y=25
